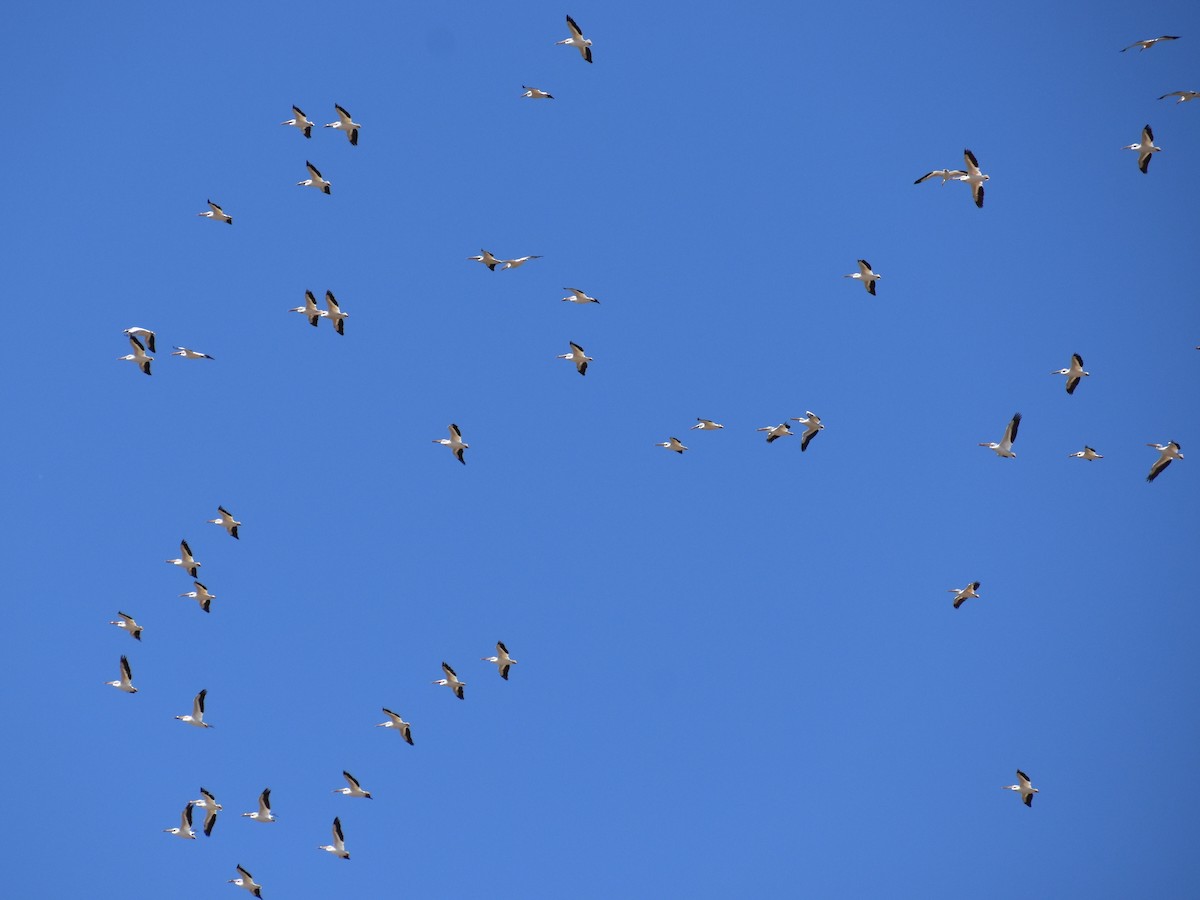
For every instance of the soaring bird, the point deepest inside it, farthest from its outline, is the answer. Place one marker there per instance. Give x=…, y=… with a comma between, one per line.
x=535, y=94
x=1184, y=96
x=126, y=621
x=451, y=681
x=338, y=847
x=211, y=807
x=345, y=124
x=774, y=432
x=455, y=443
x=216, y=213
x=125, y=682
x=812, y=424
x=394, y=721
x=1004, y=448
x=246, y=880
x=673, y=444
x=263, y=813
x=706, y=425
x=138, y=355
x=201, y=596
x=354, y=790
x=300, y=120
x=197, y=716
x=186, y=561
x=334, y=313
x=962, y=595
x=1024, y=788
x=1086, y=453
x=1145, y=149
x=226, y=520
x=315, y=179
x=577, y=40
x=144, y=334
x=185, y=825
x=187, y=353
x=578, y=296
x=1074, y=372
x=578, y=357
x=311, y=311
x=501, y=659
x=944, y=174
x=517, y=263
x=866, y=276
x=974, y=177
x=1150, y=42
x=487, y=259
x=1166, y=453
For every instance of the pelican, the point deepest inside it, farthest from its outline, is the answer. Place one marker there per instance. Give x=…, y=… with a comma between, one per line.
x=517, y=263
x=812, y=424
x=187, y=353
x=334, y=313
x=502, y=660
x=314, y=179
x=974, y=177
x=126, y=621
x=197, y=716
x=965, y=594
x=578, y=357
x=300, y=120
x=944, y=174
x=216, y=213
x=185, y=825
x=705, y=425
x=451, y=681
x=578, y=296
x=1025, y=789
x=138, y=355
x=125, y=683
x=211, y=807
x=355, y=789
x=394, y=721
x=1004, y=448
x=226, y=521
x=263, y=813
x=1150, y=42
x=246, y=880
x=1074, y=373
x=1166, y=453
x=487, y=259
x=338, y=847
x=1086, y=453
x=455, y=443
x=535, y=94
x=186, y=560
x=311, y=311
x=577, y=40
x=673, y=444
x=1184, y=96
x=345, y=124
x=1145, y=149
x=774, y=432
x=145, y=334
x=201, y=596
x=866, y=276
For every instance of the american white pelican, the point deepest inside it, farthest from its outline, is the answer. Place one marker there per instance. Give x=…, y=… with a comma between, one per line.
x=944, y=174
x=1073, y=373
x=226, y=521
x=338, y=847
x=144, y=334
x=211, y=807
x=246, y=880
x=1145, y=149
x=812, y=424
x=774, y=432
x=126, y=621
x=578, y=357
x=1086, y=453
x=186, y=561
x=185, y=825
x=1025, y=788
x=974, y=177
x=962, y=595
x=263, y=813
x=201, y=596
x=517, y=263
x=487, y=259
x=451, y=681
x=345, y=124
x=314, y=179
x=334, y=313
x=455, y=443
x=138, y=355
x=578, y=296
x=216, y=213
x=1166, y=453
x=1004, y=448
x=187, y=353
x=300, y=120
x=673, y=444
x=577, y=40
x=197, y=716
x=1150, y=42
x=394, y=721
x=1184, y=96
x=535, y=94
x=866, y=276
x=355, y=789
x=502, y=660
x=125, y=682
x=706, y=425
x=311, y=311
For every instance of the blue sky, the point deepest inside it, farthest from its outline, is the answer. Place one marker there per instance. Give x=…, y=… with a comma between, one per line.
x=740, y=672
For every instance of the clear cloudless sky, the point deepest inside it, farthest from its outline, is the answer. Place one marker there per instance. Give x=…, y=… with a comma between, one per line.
x=739, y=673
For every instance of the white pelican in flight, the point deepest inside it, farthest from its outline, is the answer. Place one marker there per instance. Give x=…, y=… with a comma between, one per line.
x=866, y=276
x=774, y=432
x=145, y=334
x=578, y=357
x=1086, y=453
x=944, y=174
x=125, y=683
x=314, y=179
x=186, y=561
x=673, y=444
x=577, y=40
x=138, y=355
x=578, y=296
x=355, y=789
x=334, y=313
x=394, y=721
x=1004, y=448
x=1025, y=788
x=201, y=596
x=197, y=716
x=487, y=259
x=517, y=263
x=535, y=94
x=1145, y=149
x=185, y=825
x=812, y=424
x=1184, y=96
x=345, y=124
x=263, y=813
x=311, y=311
x=211, y=807
x=706, y=425
x=974, y=177
x=502, y=660
x=338, y=847
x=1073, y=373
x=187, y=353
x=1150, y=42
x=965, y=594
x=1166, y=453
x=126, y=621
x=226, y=521
x=216, y=214
x=246, y=880
x=300, y=120
x=455, y=443
x=451, y=681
